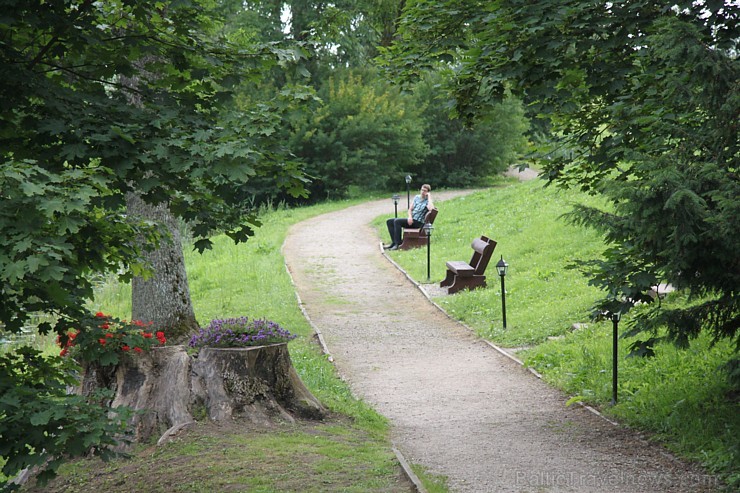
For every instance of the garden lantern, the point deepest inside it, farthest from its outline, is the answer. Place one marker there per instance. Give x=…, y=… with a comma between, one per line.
x=428, y=231
x=408, y=191
x=615, y=335
x=502, y=267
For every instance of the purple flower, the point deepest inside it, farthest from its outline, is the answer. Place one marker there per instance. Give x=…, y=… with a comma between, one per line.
x=240, y=332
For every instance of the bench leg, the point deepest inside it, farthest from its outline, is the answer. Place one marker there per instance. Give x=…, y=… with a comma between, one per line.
x=448, y=280
x=469, y=283
x=413, y=242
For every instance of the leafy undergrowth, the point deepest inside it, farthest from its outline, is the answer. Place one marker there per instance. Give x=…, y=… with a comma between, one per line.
x=330, y=456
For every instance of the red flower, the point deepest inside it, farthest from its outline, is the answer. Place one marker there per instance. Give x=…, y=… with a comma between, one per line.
x=63, y=352
x=109, y=335
x=101, y=315
x=161, y=338
x=147, y=335
x=72, y=335
x=102, y=341
x=138, y=323
x=137, y=349
x=105, y=326
x=125, y=348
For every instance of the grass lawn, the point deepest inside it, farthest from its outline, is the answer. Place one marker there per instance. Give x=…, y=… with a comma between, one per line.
x=682, y=397
x=349, y=452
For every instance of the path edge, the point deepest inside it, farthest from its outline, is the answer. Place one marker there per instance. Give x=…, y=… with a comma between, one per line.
x=405, y=466
x=489, y=343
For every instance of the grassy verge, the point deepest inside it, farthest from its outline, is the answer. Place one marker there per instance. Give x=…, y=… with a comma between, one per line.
x=680, y=396
x=349, y=452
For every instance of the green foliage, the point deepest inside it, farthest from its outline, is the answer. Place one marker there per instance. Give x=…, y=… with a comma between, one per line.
x=84, y=120
x=105, y=340
x=56, y=231
x=460, y=155
x=365, y=133
x=41, y=425
x=100, y=99
x=680, y=395
x=644, y=97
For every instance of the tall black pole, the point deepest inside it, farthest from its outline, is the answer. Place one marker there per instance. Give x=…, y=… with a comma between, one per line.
x=615, y=335
x=503, y=300
x=429, y=243
x=408, y=194
x=395, y=204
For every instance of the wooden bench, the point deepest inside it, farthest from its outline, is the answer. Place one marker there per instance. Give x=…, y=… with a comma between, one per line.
x=469, y=275
x=416, y=237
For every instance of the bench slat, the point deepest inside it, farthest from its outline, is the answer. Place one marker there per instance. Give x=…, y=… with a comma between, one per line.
x=461, y=268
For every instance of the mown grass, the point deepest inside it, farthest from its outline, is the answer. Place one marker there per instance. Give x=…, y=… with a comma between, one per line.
x=321, y=458
x=349, y=452
x=543, y=296
x=681, y=396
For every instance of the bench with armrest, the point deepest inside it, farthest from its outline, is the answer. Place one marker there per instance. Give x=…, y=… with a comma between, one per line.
x=416, y=237
x=469, y=275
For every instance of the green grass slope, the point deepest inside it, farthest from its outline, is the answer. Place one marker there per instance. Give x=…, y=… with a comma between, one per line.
x=682, y=397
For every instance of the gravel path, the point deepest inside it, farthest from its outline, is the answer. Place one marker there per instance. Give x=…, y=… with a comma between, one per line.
x=458, y=407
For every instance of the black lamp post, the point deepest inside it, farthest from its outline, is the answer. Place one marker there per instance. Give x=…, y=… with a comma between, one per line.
x=395, y=199
x=502, y=267
x=408, y=191
x=428, y=230
x=615, y=335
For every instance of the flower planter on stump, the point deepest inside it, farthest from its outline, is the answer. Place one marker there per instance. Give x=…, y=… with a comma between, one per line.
x=170, y=387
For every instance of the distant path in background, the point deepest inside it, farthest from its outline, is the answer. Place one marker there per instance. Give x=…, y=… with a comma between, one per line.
x=458, y=407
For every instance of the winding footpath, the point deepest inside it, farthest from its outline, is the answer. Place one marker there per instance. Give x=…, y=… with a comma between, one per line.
x=458, y=408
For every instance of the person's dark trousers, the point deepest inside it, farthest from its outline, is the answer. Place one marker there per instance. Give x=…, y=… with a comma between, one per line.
x=395, y=228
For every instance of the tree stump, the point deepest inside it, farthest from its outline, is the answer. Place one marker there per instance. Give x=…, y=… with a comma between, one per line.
x=171, y=388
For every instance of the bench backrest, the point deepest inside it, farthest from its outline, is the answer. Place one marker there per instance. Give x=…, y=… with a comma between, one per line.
x=482, y=250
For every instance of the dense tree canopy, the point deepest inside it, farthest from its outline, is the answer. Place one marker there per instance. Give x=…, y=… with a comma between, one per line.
x=459, y=154
x=643, y=97
x=72, y=145
x=98, y=99
x=364, y=134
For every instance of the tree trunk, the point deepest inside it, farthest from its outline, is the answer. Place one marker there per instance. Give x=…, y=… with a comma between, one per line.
x=173, y=389
x=164, y=298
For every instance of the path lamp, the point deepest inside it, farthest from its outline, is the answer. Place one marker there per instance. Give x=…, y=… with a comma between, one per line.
x=395, y=200
x=428, y=230
x=615, y=334
x=502, y=267
x=408, y=191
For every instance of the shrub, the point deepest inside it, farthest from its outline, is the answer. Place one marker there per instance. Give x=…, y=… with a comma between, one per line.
x=106, y=339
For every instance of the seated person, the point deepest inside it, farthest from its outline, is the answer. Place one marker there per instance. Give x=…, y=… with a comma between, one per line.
x=416, y=213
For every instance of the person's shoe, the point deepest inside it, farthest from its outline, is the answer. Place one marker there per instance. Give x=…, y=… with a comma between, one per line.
x=394, y=247
x=386, y=247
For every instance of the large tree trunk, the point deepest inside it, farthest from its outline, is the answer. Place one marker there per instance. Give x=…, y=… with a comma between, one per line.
x=172, y=389
x=164, y=298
